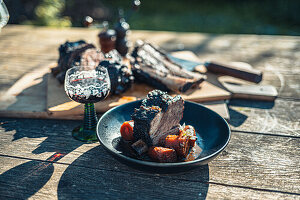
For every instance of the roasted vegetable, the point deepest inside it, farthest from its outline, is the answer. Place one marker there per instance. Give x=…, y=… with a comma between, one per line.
x=127, y=130
x=189, y=131
x=162, y=154
x=179, y=143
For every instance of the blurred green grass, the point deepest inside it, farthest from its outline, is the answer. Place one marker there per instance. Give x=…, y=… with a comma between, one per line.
x=208, y=16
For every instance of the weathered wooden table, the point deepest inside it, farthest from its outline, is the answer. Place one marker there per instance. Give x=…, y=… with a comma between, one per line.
x=39, y=159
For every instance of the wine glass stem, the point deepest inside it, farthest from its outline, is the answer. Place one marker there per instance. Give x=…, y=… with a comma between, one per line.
x=90, y=117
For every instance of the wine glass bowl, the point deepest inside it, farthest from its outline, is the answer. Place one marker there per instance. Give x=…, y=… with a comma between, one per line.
x=87, y=85
x=4, y=15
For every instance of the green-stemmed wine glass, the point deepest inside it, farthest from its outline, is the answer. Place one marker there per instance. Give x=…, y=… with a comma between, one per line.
x=4, y=15
x=87, y=85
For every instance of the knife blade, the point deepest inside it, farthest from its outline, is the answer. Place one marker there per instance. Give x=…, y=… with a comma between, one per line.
x=251, y=75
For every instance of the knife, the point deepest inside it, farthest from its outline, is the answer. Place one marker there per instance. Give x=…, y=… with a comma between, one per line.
x=240, y=91
x=251, y=75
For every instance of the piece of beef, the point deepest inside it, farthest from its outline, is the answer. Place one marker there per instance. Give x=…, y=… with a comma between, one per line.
x=121, y=77
x=69, y=55
x=82, y=54
x=153, y=67
x=120, y=74
x=158, y=113
x=140, y=147
x=91, y=57
x=174, y=131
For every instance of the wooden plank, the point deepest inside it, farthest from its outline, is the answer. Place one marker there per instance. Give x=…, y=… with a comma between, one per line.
x=27, y=98
x=218, y=106
x=53, y=180
x=60, y=105
x=28, y=94
x=275, y=55
x=250, y=160
x=280, y=118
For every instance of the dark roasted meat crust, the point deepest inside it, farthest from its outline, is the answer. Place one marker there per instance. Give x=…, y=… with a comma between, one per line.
x=86, y=55
x=69, y=54
x=157, y=114
x=152, y=66
x=120, y=75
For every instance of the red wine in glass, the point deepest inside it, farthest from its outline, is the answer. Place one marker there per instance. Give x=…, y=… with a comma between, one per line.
x=88, y=86
x=92, y=94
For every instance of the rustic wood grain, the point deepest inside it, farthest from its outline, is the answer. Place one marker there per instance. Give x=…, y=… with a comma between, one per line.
x=251, y=161
x=260, y=162
x=281, y=117
x=266, y=53
x=85, y=183
x=81, y=182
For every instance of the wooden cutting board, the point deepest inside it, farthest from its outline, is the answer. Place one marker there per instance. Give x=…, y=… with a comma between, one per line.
x=59, y=105
x=39, y=95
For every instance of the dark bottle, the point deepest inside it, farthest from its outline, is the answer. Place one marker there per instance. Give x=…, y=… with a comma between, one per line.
x=107, y=39
x=122, y=30
x=122, y=45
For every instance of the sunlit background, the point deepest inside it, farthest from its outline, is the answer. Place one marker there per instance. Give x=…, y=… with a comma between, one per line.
x=274, y=17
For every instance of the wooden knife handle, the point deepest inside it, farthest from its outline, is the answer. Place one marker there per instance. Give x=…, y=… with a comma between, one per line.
x=251, y=75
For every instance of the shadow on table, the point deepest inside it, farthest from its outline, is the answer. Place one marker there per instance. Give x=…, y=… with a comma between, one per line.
x=110, y=179
x=237, y=118
x=24, y=180
x=252, y=103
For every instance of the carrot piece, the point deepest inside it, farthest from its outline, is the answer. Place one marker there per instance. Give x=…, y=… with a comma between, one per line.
x=127, y=130
x=162, y=154
x=191, y=133
x=179, y=143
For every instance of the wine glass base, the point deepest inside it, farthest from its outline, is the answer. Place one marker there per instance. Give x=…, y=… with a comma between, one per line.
x=88, y=136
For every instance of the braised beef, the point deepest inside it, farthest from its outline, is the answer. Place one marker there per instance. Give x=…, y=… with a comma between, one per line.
x=158, y=113
x=152, y=66
x=83, y=54
x=69, y=54
x=140, y=147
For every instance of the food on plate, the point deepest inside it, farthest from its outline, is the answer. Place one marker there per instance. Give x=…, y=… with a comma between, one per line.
x=162, y=154
x=158, y=113
x=69, y=54
x=147, y=64
x=155, y=129
x=86, y=55
x=191, y=133
x=127, y=130
x=139, y=147
x=152, y=66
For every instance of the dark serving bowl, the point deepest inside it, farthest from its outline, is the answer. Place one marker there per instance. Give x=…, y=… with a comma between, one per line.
x=212, y=130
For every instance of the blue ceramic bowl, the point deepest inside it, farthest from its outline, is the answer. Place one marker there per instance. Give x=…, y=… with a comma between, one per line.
x=212, y=131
